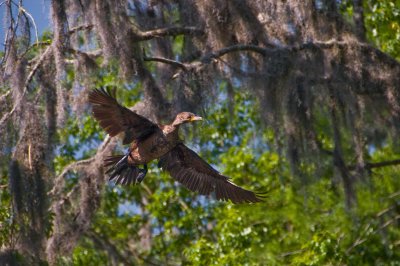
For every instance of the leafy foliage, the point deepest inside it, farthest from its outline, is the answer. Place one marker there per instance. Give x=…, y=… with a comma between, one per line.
x=383, y=22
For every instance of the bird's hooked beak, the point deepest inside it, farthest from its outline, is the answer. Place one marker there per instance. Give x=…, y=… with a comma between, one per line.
x=195, y=118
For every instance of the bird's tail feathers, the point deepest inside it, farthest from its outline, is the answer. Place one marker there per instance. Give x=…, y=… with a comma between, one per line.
x=121, y=171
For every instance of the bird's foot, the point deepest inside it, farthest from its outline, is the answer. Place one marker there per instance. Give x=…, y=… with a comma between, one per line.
x=142, y=174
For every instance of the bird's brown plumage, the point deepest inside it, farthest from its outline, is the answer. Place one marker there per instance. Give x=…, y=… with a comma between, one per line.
x=114, y=118
x=150, y=141
x=195, y=174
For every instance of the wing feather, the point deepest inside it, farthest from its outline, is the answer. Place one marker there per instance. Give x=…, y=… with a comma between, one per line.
x=194, y=173
x=114, y=118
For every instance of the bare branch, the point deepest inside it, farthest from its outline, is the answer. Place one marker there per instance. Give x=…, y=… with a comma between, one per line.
x=171, y=31
x=370, y=166
x=207, y=58
x=385, y=211
x=11, y=32
x=235, y=48
x=80, y=28
x=71, y=167
x=382, y=164
x=395, y=194
x=33, y=21
x=45, y=43
x=394, y=219
x=290, y=253
x=36, y=66
x=3, y=2
x=29, y=78
x=360, y=240
x=76, y=165
x=4, y=96
x=95, y=53
x=166, y=61
x=270, y=50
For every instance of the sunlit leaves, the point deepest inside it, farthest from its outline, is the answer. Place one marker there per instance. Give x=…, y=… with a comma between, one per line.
x=382, y=19
x=382, y=23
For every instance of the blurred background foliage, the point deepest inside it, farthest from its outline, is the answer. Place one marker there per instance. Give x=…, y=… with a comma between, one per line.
x=299, y=223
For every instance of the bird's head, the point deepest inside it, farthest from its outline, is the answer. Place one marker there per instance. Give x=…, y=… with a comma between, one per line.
x=185, y=117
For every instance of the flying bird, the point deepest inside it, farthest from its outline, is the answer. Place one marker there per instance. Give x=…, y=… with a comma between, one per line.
x=149, y=141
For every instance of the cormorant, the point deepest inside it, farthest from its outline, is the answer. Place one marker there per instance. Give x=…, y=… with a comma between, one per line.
x=149, y=141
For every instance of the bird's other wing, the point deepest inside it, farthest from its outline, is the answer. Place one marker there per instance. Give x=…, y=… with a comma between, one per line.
x=194, y=173
x=114, y=118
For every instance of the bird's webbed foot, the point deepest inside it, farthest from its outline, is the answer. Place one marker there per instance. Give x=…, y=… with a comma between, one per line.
x=142, y=174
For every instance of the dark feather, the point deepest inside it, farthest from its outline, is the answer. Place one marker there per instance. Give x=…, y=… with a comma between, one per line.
x=114, y=118
x=120, y=171
x=194, y=173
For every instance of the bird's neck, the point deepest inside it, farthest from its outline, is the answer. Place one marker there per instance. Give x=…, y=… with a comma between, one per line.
x=167, y=129
x=176, y=123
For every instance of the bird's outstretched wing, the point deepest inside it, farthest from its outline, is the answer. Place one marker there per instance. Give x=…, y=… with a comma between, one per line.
x=188, y=168
x=114, y=118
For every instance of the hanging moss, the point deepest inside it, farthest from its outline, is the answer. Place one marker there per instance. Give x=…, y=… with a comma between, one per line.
x=302, y=61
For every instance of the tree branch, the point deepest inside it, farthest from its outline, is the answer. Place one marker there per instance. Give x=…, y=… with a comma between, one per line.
x=94, y=53
x=68, y=168
x=75, y=165
x=269, y=51
x=290, y=253
x=64, y=224
x=36, y=66
x=35, y=45
x=166, y=61
x=358, y=18
x=235, y=48
x=80, y=28
x=27, y=81
x=272, y=48
x=22, y=9
x=370, y=166
x=171, y=31
x=207, y=58
x=4, y=96
x=105, y=244
x=360, y=240
x=382, y=164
